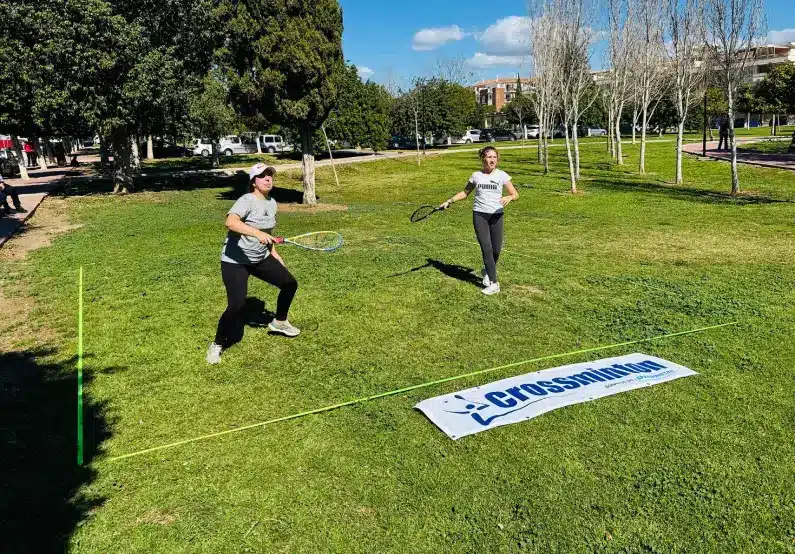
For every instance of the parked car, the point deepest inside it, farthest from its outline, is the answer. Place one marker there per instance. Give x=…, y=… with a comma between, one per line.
x=472, y=135
x=202, y=147
x=595, y=132
x=8, y=163
x=234, y=144
x=533, y=131
x=502, y=134
x=164, y=149
x=401, y=142
x=87, y=142
x=274, y=143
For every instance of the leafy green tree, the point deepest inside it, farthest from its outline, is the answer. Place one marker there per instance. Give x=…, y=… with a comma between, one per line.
x=777, y=90
x=210, y=113
x=361, y=116
x=283, y=58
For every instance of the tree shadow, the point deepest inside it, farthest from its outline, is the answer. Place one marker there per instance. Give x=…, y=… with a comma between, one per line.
x=236, y=185
x=42, y=502
x=459, y=272
x=256, y=315
x=691, y=194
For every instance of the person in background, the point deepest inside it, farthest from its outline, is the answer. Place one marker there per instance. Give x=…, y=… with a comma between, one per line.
x=7, y=191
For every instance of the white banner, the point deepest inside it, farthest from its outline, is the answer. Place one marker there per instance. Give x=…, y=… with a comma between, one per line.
x=524, y=397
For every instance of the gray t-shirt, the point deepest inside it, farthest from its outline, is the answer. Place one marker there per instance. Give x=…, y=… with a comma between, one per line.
x=488, y=190
x=259, y=213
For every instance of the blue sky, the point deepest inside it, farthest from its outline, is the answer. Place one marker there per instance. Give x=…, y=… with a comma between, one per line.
x=395, y=40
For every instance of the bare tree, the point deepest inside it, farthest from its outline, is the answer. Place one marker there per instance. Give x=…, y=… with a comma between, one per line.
x=455, y=70
x=651, y=74
x=684, y=39
x=731, y=29
x=542, y=67
x=573, y=41
x=621, y=51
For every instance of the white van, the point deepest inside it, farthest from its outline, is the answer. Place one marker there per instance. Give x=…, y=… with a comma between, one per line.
x=234, y=144
x=274, y=143
x=472, y=135
x=202, y=147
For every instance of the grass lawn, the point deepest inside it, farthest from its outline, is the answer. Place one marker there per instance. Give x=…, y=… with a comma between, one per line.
x=704, y=464
x=767, y=147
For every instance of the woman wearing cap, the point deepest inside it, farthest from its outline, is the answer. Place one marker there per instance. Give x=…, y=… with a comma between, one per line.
x=487, y=214
x=249, y=250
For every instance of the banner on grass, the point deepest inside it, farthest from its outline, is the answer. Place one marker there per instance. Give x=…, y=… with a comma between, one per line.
x=524, y=397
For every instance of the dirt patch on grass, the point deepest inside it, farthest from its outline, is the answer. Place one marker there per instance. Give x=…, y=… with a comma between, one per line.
x=156, y=517
x=313, y=209
x=16, y=327
x=49, y=221
x=528, y=289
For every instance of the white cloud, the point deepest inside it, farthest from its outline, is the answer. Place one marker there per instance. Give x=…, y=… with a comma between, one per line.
x=483, y=61
x=784, y=36
x=364, y=72
x=431, y=39
x=508, y=37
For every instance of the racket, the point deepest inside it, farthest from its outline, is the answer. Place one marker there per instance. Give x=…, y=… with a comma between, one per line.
x=424, y=212
x=320, y=241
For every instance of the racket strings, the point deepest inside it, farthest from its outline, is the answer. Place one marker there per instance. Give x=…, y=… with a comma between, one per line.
x=321, y=240
x=422, y=212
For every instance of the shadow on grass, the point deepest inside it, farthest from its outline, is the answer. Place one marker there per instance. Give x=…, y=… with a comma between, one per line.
x=459, y=272
x=42, y=502
x=255, y=314
x=684, y=193
x=237, y=185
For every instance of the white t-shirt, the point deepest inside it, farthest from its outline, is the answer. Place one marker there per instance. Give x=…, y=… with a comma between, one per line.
x=260, y=213
x=488, y=190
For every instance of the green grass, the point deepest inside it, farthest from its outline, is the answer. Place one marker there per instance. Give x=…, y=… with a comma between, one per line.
x=767, y=147
x=704, y=464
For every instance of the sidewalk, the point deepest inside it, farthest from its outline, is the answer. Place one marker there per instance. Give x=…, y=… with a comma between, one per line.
x=31, y=194
x=777, y=161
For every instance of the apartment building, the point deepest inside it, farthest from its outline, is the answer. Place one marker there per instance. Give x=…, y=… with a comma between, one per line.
x=498, y=92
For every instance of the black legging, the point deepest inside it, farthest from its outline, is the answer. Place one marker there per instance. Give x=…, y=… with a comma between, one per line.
x=488, y=229
x=235, y=276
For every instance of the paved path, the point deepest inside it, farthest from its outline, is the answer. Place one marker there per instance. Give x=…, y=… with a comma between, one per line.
x=31, y=194
x=778, y=161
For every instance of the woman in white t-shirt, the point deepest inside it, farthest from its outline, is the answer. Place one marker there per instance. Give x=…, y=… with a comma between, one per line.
x=487, y=214
x=249, y=250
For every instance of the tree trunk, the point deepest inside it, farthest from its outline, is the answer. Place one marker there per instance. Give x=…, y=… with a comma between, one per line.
x=40, y=159
x=122, y=170
x=618, y=145
x=135, y=159
x=150, y=148
x=571, y=160
x=634, y=124
x=576, y=142
x=104, y=157
x=417, y=135
x=48, y=150
x=680, y=131
x=791, y=149
x=711, y=136
x=308, y=166
x=610, y=144
x=539, y=153
x=216, y=160
x=259, y=145
x=642, y=157
x=747, y=120
x=23, y=169
x=733, y=142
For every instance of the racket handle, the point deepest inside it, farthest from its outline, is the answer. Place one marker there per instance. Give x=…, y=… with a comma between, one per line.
x=278, y=240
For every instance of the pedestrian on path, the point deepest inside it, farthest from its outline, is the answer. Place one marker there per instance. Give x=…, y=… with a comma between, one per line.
x=30, y=152
x=723, y=143
x=7, y=190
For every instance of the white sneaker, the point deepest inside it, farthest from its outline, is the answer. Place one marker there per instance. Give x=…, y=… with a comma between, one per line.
x=284, y=327
x=214, y=354
x=493, y=288
x=486, y=280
